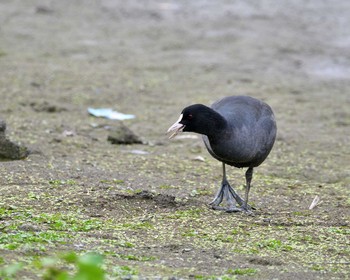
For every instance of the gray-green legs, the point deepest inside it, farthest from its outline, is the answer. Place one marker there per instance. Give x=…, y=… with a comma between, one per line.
x=248, y=178
x=227, y=192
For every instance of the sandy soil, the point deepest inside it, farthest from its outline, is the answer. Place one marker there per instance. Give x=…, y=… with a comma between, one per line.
x=148, y=211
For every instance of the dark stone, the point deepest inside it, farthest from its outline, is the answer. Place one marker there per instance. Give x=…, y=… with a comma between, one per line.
x=121, y=134
x=2, y=126
x=46, y=107
x=43, y=10
x=28, y=227
x=8, y=149
x=264, y=261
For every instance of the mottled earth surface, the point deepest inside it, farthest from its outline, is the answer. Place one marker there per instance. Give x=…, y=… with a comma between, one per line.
x=144, y=206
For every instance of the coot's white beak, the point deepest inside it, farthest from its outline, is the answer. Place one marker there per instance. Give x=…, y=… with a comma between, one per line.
x=176, y=128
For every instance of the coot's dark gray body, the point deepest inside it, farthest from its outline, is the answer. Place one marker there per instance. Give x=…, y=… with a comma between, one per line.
x=250, y=133
x=238, y=131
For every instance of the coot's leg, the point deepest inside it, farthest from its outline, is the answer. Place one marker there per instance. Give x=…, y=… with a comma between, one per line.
x=230, y=195
x=219, y=197
x=248, y=177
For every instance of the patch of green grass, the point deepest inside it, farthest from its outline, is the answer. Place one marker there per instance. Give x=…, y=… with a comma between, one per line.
x=317, y=267
x=33, y=196
x=225, y=238
x=87, y=267
x=8, y=272
x=135, y=258
x=202, y=277
x=133, y=192
x=200, y=192
x=57, y=221
x=215, y=277
x=242, y=271
x=303, y=239
x=126, y=244
x=186, y=214
x=167, y=187
x=347, y=202
x=274, y=245
x=116, y=243
x=190, y=233
x=68, y=266
x=124, y=271
x=13, y=241
x=136, y=225
x=301, y=213
x=56, y=182
x=241, y=230
x=339, y=230
x=67, y=222
x=5, y=211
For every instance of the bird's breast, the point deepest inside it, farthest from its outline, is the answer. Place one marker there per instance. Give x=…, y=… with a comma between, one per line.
x=230, y=151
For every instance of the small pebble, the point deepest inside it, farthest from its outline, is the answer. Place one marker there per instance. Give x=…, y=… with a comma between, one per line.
x=199, y=158
x=139, y=152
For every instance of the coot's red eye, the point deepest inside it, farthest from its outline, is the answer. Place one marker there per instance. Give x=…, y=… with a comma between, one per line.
x=190, y=116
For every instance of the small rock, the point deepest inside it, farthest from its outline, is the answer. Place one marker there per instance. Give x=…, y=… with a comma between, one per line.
x=68, y=133
x=199, y=158
x=46, y=107
x=121, y=134
x=35, y=84
x=28, y=227
x=79, y=246
x=139, y=152
x=145, y=194
x=2, y=126
x=8, y=149
x=43, y=10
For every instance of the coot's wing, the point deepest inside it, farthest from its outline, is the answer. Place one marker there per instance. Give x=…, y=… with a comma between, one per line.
x=250, y=134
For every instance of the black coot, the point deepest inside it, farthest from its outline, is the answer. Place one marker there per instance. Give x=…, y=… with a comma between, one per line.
x=238, y=131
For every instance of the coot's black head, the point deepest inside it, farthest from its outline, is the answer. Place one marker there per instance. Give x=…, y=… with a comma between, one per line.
x=197, y=118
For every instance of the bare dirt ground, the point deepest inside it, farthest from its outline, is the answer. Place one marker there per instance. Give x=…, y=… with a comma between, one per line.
x=147, y=213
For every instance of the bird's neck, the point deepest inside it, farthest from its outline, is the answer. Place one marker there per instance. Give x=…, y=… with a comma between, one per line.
x=214, y=124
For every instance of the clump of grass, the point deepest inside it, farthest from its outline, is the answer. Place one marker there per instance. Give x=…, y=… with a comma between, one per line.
x=135, y=258
x=137, y=225
x=339, y=230
x=13, y=241
x=166, y=187
x=67, y=222
x=317, y=267
x=8, y=272
x=56, y=182
x=242, y=271
x=87, y=267
x=186, y=214
x=200, y=192
x=123, y=272
x=274, y=245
